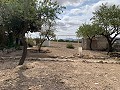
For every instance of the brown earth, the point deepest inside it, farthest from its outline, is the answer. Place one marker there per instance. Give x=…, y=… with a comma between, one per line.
x=63, y=74
x=59, y=49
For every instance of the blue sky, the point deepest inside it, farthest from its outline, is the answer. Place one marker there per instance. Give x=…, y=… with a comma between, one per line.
x=76, y=13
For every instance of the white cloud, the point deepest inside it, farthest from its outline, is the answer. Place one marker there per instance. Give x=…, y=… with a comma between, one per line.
x=76, y=13
x=72, y=18
x=69, y=24
x=108, y=2
x=70, y=2
x=81, y=10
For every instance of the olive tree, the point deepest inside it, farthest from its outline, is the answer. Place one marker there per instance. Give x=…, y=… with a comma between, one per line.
x=27, y=16
x=48, y=15
x=108, y=17
x=46, y=33
x=88, y=31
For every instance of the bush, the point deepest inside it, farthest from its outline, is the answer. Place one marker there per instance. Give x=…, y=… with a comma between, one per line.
x=30, y=42
x=61, y=40
x=70, y=46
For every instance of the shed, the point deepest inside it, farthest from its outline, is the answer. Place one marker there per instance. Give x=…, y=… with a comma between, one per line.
x=98, y=43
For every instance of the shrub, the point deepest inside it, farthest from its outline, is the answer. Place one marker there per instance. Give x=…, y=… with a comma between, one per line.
x=70, y=46
x=30, y=42
x=61, y=40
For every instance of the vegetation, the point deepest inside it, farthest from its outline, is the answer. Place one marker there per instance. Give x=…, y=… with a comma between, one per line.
x=106, y=22
x=63, y=40
x=19, y=19
x=21, y=16
x=70, y=46
x=108, y=17
x=88, y=31
x=46, y=34
x=30, y=42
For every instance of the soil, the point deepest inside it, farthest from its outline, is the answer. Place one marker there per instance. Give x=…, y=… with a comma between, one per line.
x=58, y=73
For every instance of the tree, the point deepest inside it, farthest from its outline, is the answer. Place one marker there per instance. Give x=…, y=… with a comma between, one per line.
x=19, y=19
x=28, y=15
x=46, y=34
x=88, y=31
x=48, y=14
x=3, y=38
x=108, y=17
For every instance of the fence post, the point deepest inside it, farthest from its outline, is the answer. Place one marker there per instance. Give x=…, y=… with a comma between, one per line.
x=80, y=51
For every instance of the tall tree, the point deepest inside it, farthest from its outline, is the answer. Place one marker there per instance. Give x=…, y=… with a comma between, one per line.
x=108, y=17
x=28, y=15
x=88, y=31
x=46, y=34
x=48, y=14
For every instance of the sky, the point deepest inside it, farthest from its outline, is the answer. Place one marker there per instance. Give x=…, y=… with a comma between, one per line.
x=76, y=13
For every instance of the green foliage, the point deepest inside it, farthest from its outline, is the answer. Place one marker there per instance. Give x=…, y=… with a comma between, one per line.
x=21, y=16
x=49, y=10
x=37, y=40
x=29, y=14
x=6, y=39
x=88, y=30
x=61, y=40
x=30, y=42
x=70, y=46
x=108, y=17
x=3, y=38
x=47, y=34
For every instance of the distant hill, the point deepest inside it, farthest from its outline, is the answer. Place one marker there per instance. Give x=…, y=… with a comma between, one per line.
x=70, y=39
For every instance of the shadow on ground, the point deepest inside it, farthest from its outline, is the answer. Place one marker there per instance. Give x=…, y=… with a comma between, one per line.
x=22, y=82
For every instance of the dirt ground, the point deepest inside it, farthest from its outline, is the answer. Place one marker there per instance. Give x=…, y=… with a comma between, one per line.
x=59, y=49
x=69, y=74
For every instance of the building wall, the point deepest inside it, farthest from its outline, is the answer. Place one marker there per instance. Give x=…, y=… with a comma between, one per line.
x=102, y=43
x=46, y=43
x=85, y=44
x=98, y=43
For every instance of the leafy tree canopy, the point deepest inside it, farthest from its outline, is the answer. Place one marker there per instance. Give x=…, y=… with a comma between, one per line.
x=22, y=16
x=88, y=30
x=108, y=17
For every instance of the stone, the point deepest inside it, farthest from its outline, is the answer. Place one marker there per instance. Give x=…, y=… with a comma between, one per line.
x=101, y=62
x=66, y=57
x=61, y=57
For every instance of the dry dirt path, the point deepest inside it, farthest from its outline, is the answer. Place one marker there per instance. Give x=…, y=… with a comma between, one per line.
x=55, y=75
x=58, y=75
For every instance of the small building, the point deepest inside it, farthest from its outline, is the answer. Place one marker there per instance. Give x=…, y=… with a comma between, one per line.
x=98, y=43
x=46, y=43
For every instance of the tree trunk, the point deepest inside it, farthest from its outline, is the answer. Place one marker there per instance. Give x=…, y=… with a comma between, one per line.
x=41, y=45
x=110, y=44
x=110, y=48
x=17, y=41
x=39, y=49
x=90, y=44
x=24, y=54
